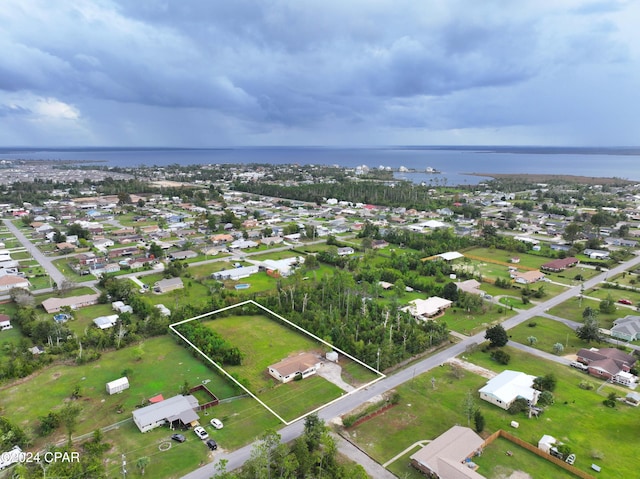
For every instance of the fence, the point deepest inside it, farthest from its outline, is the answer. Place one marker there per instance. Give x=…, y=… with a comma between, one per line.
x=538, y=452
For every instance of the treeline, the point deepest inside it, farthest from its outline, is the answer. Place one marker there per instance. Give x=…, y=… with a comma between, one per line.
x=211, y=343
x=404, y=194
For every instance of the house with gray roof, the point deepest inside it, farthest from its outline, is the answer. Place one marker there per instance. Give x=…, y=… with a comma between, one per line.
x=508, y=386
x=176, y=411
x=627, y=328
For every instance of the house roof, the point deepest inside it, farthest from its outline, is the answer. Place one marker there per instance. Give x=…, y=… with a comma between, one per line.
x=629, y=325
x=427, y=307
x=530, y=276
x=446, y=453
x=51, y=304
x=510, y=385
x=9, y=279
x=560, y=263
x=171, y=409
x=294, y=364
x=469, y=286
x=621, y=358
x=450, y=255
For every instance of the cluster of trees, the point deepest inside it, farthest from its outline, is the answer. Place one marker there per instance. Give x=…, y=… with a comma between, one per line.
x=211, y=343
x=341, y=311
x=313, y=454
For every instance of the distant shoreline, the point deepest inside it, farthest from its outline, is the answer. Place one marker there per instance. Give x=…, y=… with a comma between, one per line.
x=543, y=178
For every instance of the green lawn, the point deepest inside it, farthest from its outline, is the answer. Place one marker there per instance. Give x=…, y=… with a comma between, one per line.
x=264, y=342
x=50, y=387
x=573, y=308
x=527, y=260
x=547, y=333
x=470, y=323
x=495, y=464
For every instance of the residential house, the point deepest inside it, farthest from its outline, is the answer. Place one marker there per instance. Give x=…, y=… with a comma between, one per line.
x=471, y=286
x=271, y=240
x=106, y=322
x=596, y=253
x=124, y=251
x=120, y=307
x=627, y=328
x=177, y=411
x=302, y=365
x=182, y=255
x=87, y=258
x=54, y=305
x=506, y=387
x=609, y=363
x=449, y=455
x=427, y=308
x=347, y=250
x=8, y=282
x=243, y=244
x=235, y=274
x=166, y=285
x=527, y=277
x=558, y=265
x=379, y=244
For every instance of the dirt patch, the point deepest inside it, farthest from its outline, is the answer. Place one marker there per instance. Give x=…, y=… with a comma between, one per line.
x=474, y=368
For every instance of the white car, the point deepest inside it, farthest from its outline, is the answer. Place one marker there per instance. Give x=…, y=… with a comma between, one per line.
x=217, y=423
x=201, y=433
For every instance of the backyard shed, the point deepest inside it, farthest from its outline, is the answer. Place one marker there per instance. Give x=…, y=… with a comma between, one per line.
x=118, y=385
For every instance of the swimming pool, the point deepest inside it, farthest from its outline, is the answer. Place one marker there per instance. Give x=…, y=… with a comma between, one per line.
x=242, y=286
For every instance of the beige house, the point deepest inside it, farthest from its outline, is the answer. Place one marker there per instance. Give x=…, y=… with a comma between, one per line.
x=446, y=456
x=304, y=365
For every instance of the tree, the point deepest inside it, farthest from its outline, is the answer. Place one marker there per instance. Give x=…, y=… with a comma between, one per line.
x=558, y=348
x=497, y=336
x=589, y=331
x=545, y=383
x=546, y=398
x=469, y=407
x=478, y=420
x=608, y=306
x=500, y=356
x=142, y=464
x=532, y=340
x=611, y=400
x=571, y=232
x=589, y=313
x=69, y=417
x=450, y=291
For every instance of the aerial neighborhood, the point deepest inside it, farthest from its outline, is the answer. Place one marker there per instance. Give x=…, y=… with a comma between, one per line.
x=156, y=319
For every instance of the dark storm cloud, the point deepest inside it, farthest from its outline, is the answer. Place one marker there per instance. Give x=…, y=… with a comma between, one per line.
x=243, y=67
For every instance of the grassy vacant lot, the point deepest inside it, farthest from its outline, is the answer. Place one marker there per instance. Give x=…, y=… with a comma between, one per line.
x=573, y=308
x=547, y=333
x=158, y=366
x=469, y=323
x=264, y=342
x=578, y=417
x=526, y=260
x=616, y=294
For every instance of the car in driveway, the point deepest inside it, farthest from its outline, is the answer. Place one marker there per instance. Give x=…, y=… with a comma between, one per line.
x=217, y=423
x=201, y=432
x=178, y=437
x=625, y=301
x=211, y=444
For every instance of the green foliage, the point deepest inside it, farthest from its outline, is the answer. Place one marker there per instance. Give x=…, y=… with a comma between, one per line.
x=546, y=399
x=608, y=305
x=500, y=356
x=497, y=336
x=49, y=423
x=547, y=382
x=518, y=406
x=586, y=385
x=478, y=421
x=11, y=435
x=589, y=331
x=611, y=400
x=558, y=348
x=211, y=343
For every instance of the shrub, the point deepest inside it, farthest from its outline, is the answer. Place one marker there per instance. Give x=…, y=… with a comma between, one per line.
x=532, y=324
x=500, y=356
x=546, y=399
x=518, y=405
x=586, y=385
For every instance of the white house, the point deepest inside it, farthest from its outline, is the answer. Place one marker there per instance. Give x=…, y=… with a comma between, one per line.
x=9, y=282
x=178, y=410
x=106, y=322
x=427, y=308
x=508, y=386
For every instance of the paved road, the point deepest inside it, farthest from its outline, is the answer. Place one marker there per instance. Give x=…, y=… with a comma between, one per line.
x=44, y=261
x=350, y=401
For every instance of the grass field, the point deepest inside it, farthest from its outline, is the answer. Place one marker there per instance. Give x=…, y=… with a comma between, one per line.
x=469, y=323
x=547, y=333
x=264, y=342
x=573, y=308
x=49, y=388
x=578, y=418
x=526, y=260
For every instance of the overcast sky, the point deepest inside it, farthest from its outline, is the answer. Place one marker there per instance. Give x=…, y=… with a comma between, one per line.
x=327, y=72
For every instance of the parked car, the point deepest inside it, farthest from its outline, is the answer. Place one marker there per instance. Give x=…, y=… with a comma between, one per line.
x=178, y=437
x=625, y=301
x=579, y=365
x=217, y=423
x=201, y=432
x=211, y=444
